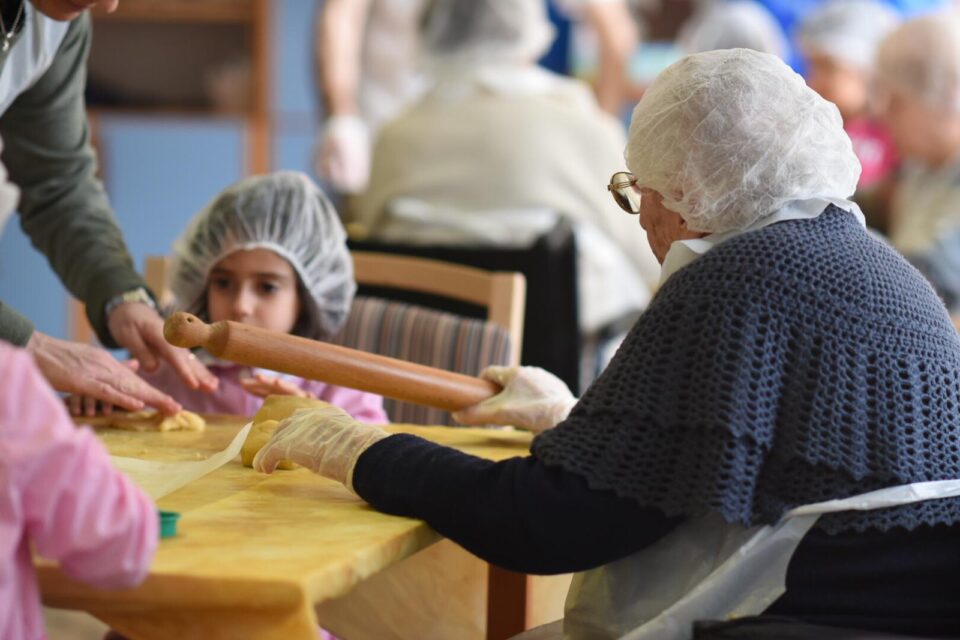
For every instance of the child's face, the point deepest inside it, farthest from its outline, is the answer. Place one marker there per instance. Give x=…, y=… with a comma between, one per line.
x=255, y=287
x=842, y=84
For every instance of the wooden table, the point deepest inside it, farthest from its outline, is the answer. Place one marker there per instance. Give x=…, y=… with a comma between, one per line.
x=254, y=554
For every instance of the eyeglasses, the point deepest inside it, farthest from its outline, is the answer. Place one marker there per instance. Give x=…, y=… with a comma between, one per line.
x=623, y=188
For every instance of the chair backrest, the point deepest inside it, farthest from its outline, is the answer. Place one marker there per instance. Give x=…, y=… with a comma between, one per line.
x=420, y=333
x=502, y=293
x=551, y=333
x=156, y=273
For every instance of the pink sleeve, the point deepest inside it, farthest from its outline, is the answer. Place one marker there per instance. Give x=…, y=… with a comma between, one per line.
x=365, y=407
x=77, y=509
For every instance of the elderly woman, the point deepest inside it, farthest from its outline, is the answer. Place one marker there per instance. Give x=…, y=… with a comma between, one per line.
x=788, y=358
x=918, y=75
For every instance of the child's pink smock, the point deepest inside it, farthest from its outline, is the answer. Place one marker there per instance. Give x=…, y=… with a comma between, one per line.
x=60, y=493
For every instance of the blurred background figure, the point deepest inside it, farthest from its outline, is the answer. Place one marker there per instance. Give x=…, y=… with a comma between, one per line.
x=918, y=73
x=614, y=34
x=366, y=65
x=366, y=53
x=732, y=25
x=839, y=41
x=499, y=147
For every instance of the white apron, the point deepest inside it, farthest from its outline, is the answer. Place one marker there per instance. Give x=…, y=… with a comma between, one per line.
x=705, y=570
x=31, y=55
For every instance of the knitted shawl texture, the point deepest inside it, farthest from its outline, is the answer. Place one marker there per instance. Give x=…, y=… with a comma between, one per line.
x=801, y=362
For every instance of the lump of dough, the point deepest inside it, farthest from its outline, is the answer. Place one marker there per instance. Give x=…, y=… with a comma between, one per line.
x=259, y=435
x=266, y=420
x=153, y=421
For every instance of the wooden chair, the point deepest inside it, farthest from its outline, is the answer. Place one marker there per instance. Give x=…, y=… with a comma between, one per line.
x=503, y=293
x=551, y=330
x=420, y=333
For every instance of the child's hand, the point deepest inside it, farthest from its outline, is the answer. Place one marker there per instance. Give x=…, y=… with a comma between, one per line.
x=263, y=385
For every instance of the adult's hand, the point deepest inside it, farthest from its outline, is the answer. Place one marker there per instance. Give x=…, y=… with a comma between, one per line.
x=84, y=370
x=90, y=406
x=532, y=399
x=139, y=329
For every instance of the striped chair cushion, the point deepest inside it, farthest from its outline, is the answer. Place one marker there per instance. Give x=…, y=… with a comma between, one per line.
x=422, y=335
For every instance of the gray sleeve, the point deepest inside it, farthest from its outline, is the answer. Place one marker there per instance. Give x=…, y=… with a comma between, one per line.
x=64, y=208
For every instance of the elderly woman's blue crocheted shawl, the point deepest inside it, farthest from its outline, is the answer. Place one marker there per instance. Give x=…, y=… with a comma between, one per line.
x=792, y=364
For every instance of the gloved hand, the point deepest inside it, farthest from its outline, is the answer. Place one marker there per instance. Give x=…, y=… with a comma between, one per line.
x=343, y=154
x=326, y=440
x=532, y=398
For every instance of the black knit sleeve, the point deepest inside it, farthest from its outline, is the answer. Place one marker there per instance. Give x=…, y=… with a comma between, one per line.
x=515, y=513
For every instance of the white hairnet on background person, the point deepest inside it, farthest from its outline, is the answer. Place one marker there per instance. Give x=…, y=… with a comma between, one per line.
x=922, y=59
x=731, y=25
x=288, y=214
x=730, y=136
x=848, y=30
x=467, y=32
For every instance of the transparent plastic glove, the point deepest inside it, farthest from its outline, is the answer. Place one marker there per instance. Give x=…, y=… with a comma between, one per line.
x=532, y=399
x=326, y=440
x=343, y=154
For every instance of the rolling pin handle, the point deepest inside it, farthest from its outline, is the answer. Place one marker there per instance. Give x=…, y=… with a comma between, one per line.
x=186, y=330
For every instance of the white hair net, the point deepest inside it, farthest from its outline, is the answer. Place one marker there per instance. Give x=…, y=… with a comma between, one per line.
x=848, y=30
x=468, y=32
x=728, y=137
x=288, y=214
x=922, y=59
x=732, y=25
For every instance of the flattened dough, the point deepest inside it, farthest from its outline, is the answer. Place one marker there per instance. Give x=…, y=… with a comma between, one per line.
x=266, y=420
x=153, y=421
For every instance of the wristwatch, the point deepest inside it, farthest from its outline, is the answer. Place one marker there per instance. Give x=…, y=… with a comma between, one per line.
x=134, y=295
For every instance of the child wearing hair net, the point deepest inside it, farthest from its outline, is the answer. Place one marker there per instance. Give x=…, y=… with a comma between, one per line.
x=918, y=78
x=839, y=40
x=268, y=251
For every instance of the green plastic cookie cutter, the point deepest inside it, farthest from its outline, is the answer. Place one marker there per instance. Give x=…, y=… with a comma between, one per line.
x=168, y=523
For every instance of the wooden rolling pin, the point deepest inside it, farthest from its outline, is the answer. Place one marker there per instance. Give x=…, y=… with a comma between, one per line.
x=256, y=347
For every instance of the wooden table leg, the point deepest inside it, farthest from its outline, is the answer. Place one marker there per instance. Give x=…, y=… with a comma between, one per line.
x=517, y=602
